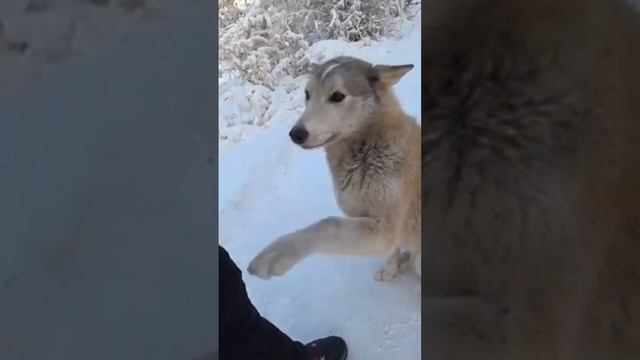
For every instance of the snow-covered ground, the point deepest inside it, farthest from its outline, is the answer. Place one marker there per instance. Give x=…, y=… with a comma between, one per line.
x=107, y=202
x=38, y=36
x=268, y=187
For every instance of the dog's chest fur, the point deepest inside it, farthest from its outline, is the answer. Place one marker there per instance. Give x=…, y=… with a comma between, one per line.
x=365, y=174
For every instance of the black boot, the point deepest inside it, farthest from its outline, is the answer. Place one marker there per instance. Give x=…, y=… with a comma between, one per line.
x=329, y=348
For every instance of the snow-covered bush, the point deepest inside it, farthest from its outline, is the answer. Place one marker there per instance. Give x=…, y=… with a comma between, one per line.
x=350, y=20
x=258, y=44
x=264, y=40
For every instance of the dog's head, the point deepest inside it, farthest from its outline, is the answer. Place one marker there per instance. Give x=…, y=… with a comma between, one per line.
x=342, y=95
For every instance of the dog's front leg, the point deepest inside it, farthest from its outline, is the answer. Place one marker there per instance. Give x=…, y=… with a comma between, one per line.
x=332, y=235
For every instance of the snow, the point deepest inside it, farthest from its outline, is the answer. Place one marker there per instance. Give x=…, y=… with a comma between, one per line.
x=59, y=32
x=107, y=206
x=268, y=187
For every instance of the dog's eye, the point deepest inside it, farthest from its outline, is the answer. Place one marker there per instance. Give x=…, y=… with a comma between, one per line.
x=306, y=95
x=336, y=97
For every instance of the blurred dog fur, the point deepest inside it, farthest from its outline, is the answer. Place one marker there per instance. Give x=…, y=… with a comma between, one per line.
x=531, y=180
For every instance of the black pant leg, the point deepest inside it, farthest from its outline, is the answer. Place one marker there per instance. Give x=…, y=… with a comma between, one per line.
x=244, y=333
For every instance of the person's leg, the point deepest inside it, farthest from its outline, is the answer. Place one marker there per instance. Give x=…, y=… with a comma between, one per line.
x=244, y=333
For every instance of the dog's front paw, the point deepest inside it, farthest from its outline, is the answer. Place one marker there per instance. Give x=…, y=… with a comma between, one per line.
x=275, y=260
x=385, y=274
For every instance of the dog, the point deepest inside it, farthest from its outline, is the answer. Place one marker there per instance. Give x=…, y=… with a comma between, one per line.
x=373, y=151
x=531, y=180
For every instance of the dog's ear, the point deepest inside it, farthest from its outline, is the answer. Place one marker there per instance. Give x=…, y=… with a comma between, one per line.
x=389, y=75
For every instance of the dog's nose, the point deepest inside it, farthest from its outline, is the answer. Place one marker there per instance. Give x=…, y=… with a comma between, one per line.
x=298, y=134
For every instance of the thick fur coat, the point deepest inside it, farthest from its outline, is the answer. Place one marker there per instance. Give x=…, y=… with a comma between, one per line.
x=531, y=180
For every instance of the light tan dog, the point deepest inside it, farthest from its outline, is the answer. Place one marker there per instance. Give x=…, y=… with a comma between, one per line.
x=531, y=186
x=373, y=151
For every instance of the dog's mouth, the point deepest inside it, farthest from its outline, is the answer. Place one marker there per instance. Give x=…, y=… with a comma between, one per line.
x=324, y=143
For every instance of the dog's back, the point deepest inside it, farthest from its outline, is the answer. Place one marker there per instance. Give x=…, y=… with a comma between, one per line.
x=531, y=175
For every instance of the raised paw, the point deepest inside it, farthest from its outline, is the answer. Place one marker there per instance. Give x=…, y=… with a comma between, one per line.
x=275, y=260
